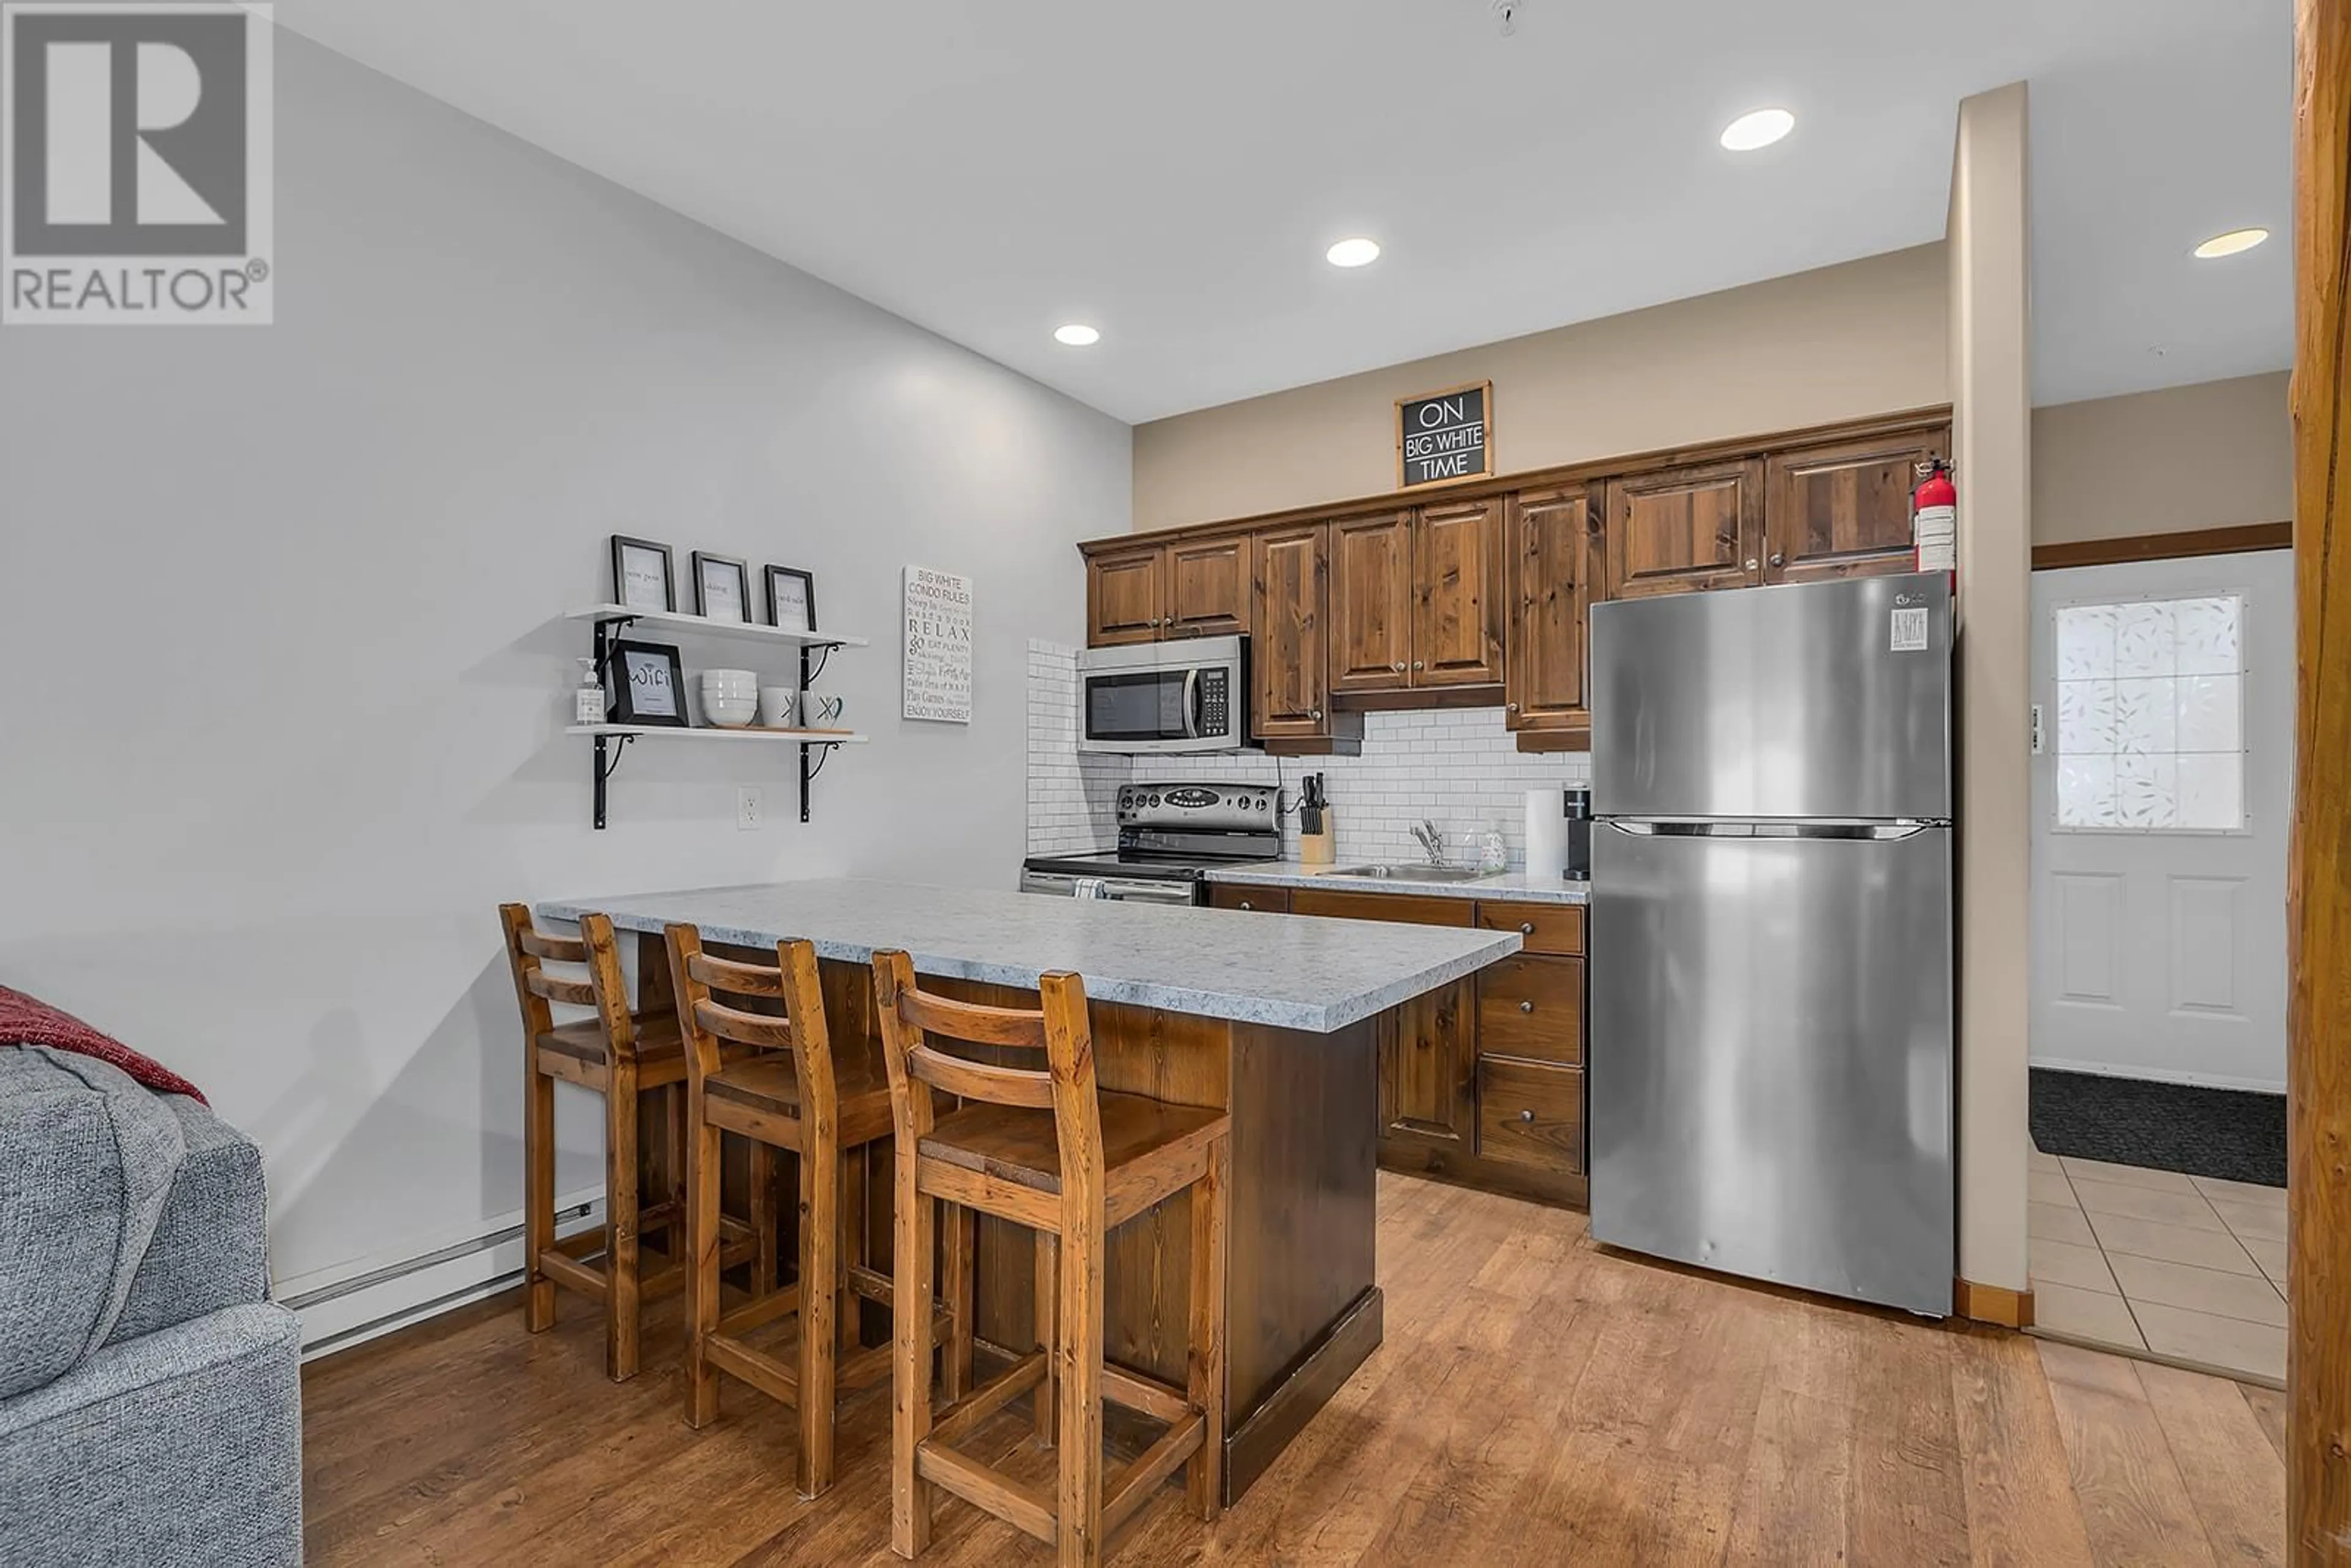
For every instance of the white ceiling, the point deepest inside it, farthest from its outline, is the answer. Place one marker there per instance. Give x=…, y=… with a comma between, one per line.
x=1172, y=173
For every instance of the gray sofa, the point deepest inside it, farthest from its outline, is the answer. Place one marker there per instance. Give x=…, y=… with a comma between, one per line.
x=149, y=1391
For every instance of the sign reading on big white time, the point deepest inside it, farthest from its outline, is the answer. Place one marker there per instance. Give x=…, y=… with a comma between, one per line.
x=1446, y=437
x=938, y=646
x=136, y=163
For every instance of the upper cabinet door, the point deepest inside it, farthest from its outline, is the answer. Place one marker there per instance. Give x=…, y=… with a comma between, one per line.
x=1456, y=634
x=1552, y=546
x=1124, y=599
x=1289, y=652
x=1679, y=531
x=1371, y=603
x=1842, y=509
x=1208, y=587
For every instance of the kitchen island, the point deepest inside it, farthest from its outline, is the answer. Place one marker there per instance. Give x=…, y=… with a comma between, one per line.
x=1274, y=1021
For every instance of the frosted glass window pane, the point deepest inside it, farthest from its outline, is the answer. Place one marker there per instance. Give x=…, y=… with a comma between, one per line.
x=2144, y=640
x=2085, y=641
x=2085, y=792
x=2085, y=717
x=2207, y=635
x=2145, y=715
x=2210, y=716
x=2146, y=791
x=2212, y=792
x=2150, y=726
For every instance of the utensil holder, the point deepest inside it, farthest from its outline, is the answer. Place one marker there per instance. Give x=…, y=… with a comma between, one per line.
x=1323, y=848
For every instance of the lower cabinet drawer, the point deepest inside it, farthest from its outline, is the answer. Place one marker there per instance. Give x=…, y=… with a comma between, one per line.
x=1249, y=895
x=1532, y=1006
x=1531, y=1115
x=1403, y=908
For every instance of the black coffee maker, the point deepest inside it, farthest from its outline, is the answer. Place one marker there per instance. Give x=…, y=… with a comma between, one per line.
x=1579, y=835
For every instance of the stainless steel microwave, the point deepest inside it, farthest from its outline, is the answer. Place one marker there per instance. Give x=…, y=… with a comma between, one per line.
x=1153, y=697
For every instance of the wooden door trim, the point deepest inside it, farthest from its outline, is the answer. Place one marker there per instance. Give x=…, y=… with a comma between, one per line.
x=1992, y=1304
x=2176, y=545
x=1761, y=443
x=2318, y=893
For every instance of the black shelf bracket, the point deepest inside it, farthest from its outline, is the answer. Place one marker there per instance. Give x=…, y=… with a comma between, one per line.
x=608, y=749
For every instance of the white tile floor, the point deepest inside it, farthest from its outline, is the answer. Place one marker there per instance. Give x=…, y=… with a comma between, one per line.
x=2188, y=1268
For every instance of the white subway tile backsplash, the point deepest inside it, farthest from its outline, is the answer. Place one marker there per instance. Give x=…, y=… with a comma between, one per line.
x=1072, y=797
x=1458, y=766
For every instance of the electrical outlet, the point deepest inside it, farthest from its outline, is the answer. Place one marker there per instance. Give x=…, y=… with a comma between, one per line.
x=747, y=812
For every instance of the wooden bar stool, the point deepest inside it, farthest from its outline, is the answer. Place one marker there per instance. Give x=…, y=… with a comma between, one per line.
x=625, y=1057
x=775, y=1081
x=1044, y=1150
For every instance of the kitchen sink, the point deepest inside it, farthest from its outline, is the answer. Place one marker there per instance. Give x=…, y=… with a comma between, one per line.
x=1412, y=873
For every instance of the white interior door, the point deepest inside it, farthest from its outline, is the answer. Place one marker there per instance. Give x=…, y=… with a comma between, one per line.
x=2160, y=817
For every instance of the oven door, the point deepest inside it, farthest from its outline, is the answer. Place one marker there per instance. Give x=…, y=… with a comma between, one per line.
x=1162, y=698
x=1136, y=889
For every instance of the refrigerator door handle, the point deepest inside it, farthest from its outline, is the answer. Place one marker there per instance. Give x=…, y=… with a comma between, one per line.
x=1882, y=832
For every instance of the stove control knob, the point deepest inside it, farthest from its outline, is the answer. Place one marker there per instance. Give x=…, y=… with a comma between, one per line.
x=1153, y=802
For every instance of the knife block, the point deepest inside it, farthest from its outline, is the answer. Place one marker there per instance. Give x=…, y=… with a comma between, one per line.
x=1323, y=848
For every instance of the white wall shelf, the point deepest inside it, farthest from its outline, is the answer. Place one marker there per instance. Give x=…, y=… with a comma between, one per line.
x=672, y=620
x=712, y=732
x=815, y=649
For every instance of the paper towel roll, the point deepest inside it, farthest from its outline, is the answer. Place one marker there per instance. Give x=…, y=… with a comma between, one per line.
x=1547, y=833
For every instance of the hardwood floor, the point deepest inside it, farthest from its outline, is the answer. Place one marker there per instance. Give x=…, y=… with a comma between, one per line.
x=1538, y=1400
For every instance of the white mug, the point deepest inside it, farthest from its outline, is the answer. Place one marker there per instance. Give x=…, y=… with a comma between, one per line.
x=826, y=712
x=777, y=704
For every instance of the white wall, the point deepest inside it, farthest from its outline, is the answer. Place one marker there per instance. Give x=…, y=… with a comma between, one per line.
x=280, y=608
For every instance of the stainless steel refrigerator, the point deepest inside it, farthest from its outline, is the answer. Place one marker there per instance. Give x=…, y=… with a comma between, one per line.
x=1770, y=950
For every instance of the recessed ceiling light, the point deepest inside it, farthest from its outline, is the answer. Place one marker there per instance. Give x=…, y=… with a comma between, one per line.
x=2230, y=244
x=1353, y=253
x=1077, y=335
x=1761, y=129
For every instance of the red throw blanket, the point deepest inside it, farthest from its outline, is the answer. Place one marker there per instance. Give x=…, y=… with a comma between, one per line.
x=24, y=1021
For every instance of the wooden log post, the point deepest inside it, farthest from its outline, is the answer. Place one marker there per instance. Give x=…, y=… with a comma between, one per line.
x=2319, y=1480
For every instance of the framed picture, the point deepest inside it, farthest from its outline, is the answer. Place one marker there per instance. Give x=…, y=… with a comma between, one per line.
x=722, y=587
x=640, y=575
x=648, y=686
x=791, y=599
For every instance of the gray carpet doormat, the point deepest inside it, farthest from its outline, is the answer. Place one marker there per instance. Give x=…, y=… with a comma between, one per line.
x=2225, y=1132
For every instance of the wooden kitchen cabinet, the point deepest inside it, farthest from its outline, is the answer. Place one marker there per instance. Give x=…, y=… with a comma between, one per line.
x=1123, y=602
x=1683, y=530
x=1371, y=602
x=1481, y=1082
x=1249, y=896
x=1417, y=599
x=1289, y=648
x=1427, y=1070
x=1843, y=508
x=1208, y=587
x=1192, y=588
x=1457, y=621
x=1553, y=551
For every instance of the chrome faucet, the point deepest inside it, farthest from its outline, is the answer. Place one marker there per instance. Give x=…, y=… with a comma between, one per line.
x=1430, y=840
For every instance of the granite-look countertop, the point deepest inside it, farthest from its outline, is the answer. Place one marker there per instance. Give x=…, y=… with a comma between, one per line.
x=1303, y=974
x=1511, y=884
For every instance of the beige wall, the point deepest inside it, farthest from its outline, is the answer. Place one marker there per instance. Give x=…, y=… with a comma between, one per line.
x=1843, y=342
x=1992, y=394
x=2206, y=456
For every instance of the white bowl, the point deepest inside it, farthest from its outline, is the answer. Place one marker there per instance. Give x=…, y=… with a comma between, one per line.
x=731, y=678
x=728, y=713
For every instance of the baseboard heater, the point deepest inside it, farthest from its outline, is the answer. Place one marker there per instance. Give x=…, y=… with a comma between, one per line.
x=355, y=1302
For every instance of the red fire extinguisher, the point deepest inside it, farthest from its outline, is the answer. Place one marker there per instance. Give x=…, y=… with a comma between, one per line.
x=1935, y=517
